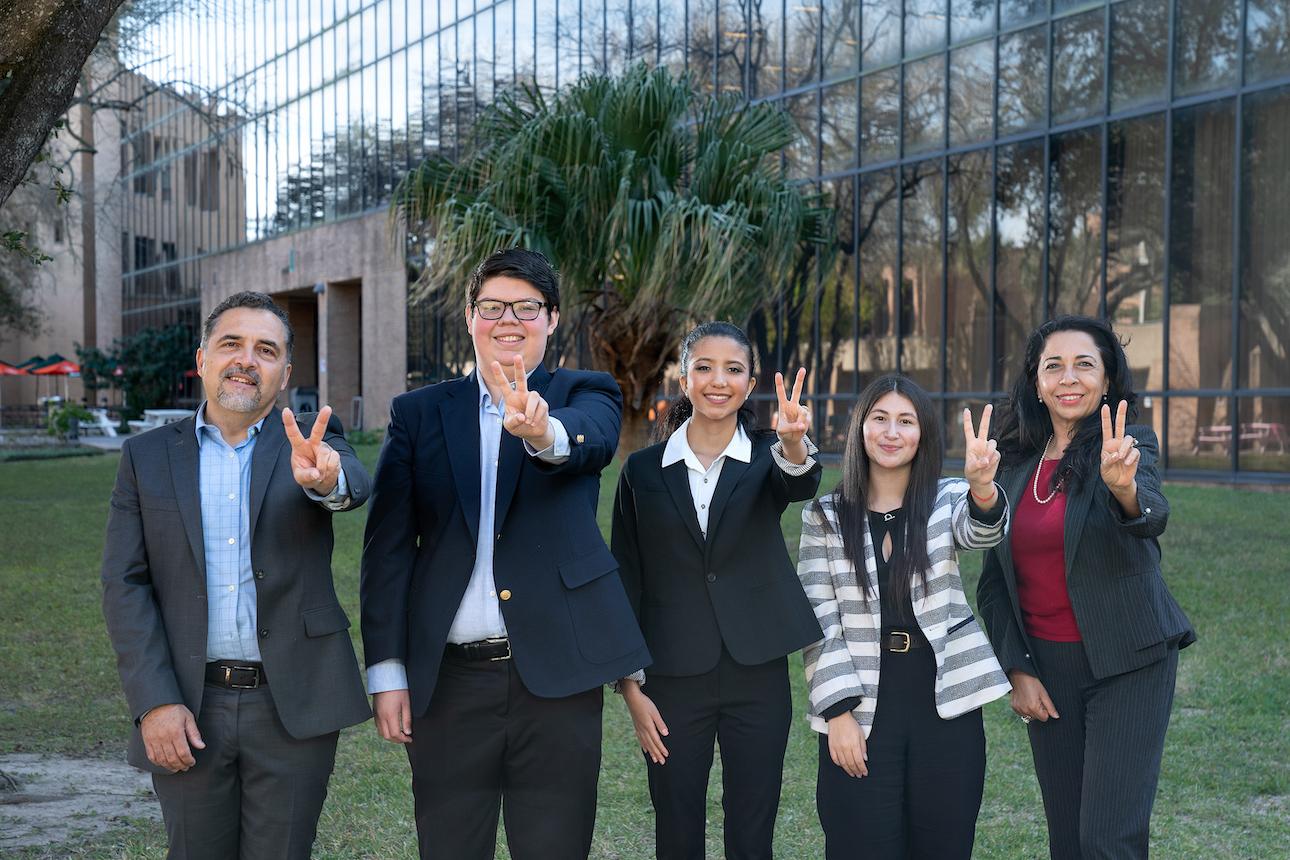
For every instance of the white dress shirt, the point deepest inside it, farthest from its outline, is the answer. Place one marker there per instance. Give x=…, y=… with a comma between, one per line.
x=479, y=616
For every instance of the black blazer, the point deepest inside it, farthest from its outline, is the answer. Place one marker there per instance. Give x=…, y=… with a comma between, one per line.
x=154, y=581
x=568, y=619
x=1125, y=613
x=737, y=587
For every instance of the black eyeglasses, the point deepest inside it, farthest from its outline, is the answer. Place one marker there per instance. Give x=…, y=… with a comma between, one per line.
x=525, y=309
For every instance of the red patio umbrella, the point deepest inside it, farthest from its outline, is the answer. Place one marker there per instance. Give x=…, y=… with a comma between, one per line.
x=7, y=369
x=62, y=367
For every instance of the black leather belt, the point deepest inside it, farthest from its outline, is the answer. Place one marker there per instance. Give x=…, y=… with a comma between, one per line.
x=236, y=675
x=485, y=649
x=899, y=641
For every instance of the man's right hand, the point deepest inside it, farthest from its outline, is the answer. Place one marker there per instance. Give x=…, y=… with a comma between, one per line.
x=168, y=732
x=393, y=710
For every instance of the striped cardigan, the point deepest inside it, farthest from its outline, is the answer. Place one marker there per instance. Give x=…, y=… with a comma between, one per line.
x=844, y=664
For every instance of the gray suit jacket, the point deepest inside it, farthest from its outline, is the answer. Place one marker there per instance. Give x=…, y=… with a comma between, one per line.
x=1125, y=613
x=154, y=581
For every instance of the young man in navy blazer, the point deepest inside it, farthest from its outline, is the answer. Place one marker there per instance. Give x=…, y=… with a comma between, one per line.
x=492, y=609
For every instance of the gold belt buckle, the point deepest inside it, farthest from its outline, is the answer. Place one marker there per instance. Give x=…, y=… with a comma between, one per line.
x=907, y=641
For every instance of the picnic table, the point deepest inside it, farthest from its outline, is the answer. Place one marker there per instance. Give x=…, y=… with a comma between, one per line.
x=153, y=418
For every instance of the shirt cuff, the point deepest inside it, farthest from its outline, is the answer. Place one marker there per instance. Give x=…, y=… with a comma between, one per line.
x=557, y=451
x=837, y=709
x=337, y=498
x=386, y=675
x=794, y=469
x=638, y=676
x=990, y=517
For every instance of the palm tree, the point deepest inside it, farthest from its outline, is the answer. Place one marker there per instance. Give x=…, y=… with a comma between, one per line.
x=657, y=205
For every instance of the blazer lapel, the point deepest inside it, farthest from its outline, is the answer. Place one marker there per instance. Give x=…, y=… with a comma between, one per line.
x=512, y=455
x=1077, y=508
x=184, y=466
x=732, y=472
x=460, y=415
x=677, y=481
x=264, y=460
x=1015, y=483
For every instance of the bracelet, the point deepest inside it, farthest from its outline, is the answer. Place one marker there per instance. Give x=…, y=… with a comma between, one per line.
x=994, y=494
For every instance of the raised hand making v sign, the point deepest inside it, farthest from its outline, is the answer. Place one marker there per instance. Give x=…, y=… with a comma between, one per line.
x=526, y=411
x=1120, y=459
x=314, y=463
x=981, y=459
x=792, y=419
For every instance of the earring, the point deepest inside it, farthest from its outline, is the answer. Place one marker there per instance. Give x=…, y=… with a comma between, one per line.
x=1103, y=396
x=1039, y=397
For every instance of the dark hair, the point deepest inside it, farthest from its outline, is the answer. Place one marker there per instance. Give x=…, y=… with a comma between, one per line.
x=254, y=301
x=522, y=264
x=909, y=559
x=682, y=408
x=1025, y=425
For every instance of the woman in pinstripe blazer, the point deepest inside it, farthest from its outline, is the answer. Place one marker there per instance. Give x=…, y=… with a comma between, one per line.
x=1074, y=601
x=900, y=775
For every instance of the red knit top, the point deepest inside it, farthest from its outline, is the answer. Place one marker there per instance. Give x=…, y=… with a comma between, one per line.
x=1039, y=558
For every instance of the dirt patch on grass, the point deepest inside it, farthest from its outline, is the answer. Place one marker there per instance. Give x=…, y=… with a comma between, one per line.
x=47, y=799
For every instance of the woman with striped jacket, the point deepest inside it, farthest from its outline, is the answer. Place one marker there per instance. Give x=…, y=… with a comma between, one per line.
x=901, y=775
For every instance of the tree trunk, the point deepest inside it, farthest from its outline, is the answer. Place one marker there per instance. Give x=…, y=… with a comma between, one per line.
x=43, y=46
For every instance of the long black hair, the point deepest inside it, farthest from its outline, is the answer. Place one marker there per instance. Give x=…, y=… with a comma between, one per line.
x=909, y=560
x=1025, y=426
x=682, y=408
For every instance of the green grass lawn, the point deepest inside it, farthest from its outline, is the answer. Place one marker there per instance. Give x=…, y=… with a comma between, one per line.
x=1224, y=792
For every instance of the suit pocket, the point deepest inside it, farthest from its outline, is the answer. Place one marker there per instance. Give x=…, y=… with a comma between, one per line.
x=964, y=623
x=577, y=572
x=325, y=620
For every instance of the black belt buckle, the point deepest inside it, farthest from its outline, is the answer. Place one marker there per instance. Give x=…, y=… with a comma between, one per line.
x=501, y=641
x=896, y=650
x=228, y=677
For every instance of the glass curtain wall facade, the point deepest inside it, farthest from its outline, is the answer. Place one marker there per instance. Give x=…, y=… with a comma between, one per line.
x=992, y=162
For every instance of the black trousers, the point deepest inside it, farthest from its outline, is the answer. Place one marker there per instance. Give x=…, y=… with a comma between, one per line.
x=255, y=792
x=926, y=774
x=486, y=743
x=745, y=709
x=1098, y=765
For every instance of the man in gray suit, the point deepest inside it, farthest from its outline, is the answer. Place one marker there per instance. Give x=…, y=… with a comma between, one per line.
x=233, y=650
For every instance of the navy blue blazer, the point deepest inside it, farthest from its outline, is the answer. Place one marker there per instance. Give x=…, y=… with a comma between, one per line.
x=568, y=618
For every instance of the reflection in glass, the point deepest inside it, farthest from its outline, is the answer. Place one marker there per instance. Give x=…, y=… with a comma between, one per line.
x=837, y=317
x=803, y=43
x=838, y=131
x=766, y=58
x=568, y=33
x=877, y=225
x=1019, y=240
x=880, y=31
x=971, y=92
x=1207, y=45
x=1265, y=251
x=921, y=267
x=1139, y=52
x=925, y=104
x=1015, y=12
x=671, y=25
x=879, y=116
x=840, y=45
x=1265, y=434
x=1077, y=66
x=1200, y=248
x=924, y=26
x=1200, y=433
x=1267, y=39
x=969, y=18
x=967, y=354
x=801, y=153
x=1023, y=73
x=1075, y=223
x=732, y=41
x=1135, y=242
x=544, y=45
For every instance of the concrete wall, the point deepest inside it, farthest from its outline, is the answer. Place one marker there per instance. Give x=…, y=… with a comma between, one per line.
x=362, y=310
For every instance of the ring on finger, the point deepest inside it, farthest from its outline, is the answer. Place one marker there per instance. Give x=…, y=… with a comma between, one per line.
x=1025, y=719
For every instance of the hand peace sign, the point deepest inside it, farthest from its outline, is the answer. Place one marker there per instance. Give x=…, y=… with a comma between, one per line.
x=1119, y=451
x=792, y=419
x=981, y=459
x=314, y=464
x=526, y=411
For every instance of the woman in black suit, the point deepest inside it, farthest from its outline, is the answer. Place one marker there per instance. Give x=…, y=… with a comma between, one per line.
x=696, y=534
x=1074, y=601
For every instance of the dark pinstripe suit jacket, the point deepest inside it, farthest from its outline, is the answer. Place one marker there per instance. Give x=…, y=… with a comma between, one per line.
x=1126, y=615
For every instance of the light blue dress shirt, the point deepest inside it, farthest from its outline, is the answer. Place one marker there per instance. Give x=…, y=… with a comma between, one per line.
x=224, y=481
x=480, y=614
